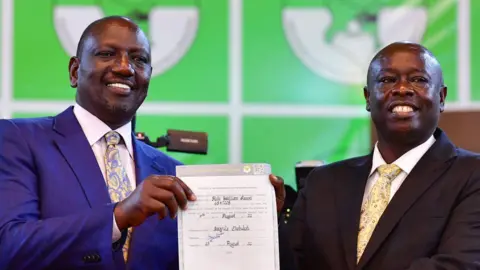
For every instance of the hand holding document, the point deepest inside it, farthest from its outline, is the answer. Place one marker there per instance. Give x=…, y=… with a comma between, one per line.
x=233, y=223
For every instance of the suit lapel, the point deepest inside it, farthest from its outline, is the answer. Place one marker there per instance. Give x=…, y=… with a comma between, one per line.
x=349, y=190
x=429, y=168
x=145, y=164
x=76, y=150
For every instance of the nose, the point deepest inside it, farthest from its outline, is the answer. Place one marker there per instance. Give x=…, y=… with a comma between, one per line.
x=123, y=67
x=402, y=90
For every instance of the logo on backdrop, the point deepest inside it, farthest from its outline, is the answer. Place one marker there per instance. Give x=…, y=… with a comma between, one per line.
x=171, y=29
x=338, y=40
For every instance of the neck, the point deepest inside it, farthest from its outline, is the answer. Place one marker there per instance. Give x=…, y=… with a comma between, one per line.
x=112, y=119
x=391, y=149
x=114, y=126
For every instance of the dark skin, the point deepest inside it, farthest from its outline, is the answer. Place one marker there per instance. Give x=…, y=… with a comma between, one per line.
x=116, y=50
x=408, y=76
x=119, y=55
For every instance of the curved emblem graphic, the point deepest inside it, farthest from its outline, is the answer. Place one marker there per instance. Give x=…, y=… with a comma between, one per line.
x=172, y=30
x=343, y=55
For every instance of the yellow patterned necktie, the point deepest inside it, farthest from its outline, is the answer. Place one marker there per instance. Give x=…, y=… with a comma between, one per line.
x=119, y=186
x=375, y=204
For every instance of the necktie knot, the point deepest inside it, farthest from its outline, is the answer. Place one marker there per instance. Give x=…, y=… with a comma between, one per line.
x=389, y=171
x=112, y=138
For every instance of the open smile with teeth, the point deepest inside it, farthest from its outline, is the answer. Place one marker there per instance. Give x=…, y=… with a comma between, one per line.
x=402, y=109
x=119, y=88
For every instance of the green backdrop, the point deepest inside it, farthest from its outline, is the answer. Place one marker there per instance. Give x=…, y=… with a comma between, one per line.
x=274, y=81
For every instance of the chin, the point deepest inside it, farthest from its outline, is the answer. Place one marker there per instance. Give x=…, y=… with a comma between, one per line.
x=118, y=107
x=406, y=134
x=119, y=112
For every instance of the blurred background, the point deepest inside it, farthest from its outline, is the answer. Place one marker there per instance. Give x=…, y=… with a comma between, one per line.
x=276, y=81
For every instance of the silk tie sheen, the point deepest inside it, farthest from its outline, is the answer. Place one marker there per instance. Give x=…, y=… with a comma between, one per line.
x=119, y=186
x=375, y=204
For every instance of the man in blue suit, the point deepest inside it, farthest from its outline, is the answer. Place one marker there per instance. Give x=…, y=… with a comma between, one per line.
x=78, y=190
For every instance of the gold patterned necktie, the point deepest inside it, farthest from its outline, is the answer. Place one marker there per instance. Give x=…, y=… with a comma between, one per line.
x=119, y=186
x=375, y=204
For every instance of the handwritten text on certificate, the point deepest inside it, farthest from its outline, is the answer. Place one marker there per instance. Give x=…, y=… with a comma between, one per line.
x=233, y=223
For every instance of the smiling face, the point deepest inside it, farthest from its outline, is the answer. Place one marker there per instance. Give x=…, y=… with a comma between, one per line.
x=112, y=73
x=405, y=92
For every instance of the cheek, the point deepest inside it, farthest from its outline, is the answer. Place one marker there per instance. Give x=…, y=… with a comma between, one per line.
x=377, y=99
x=430, y=97
x=89, y=76
x=143, y=81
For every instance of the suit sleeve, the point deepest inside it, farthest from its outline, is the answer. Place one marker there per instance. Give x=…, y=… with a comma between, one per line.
x=459, y=246
x=298, y=231
x=28, y=241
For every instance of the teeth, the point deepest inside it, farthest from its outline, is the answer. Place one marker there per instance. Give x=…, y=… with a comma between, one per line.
x=402, y=109
x=120, y=85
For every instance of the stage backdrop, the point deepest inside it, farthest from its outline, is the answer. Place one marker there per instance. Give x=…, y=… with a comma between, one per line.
x=274, y=81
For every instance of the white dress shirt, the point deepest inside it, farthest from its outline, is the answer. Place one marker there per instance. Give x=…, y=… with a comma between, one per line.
x=406, y=162
x=95, y=131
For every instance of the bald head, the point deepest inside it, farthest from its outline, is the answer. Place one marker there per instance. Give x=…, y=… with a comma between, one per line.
x=387, y=52
x=405, y=96
x=98, y=26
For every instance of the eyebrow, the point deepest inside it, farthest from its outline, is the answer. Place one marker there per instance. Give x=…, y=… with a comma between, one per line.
x=133, y=48
x=391, y=70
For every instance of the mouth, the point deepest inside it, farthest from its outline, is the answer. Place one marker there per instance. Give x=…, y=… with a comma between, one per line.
x=403, y=110
x=120, y=88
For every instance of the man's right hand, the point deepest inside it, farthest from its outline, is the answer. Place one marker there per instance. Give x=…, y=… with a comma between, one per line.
x=157, y=194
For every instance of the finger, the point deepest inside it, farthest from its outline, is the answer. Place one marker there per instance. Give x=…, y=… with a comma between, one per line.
x=156, y=206
x=162, y=214
x=168, y=199
x=191, y=196
x=278, y=184
x=171, y=184
x=275, y=180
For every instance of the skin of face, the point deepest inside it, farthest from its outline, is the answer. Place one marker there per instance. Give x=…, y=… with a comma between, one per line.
x=405, y=94
x=112, y=72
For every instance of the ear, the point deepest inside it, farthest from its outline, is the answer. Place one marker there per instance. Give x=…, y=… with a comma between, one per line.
x=366, y=94
x=443, y=96
x=73, y=70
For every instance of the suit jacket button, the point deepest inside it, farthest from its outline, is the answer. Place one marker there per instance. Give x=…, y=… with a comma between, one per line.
x=90, y=258
x=97, y=258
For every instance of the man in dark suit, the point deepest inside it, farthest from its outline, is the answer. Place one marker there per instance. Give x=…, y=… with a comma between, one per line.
x=414, y=202
x=78, y=190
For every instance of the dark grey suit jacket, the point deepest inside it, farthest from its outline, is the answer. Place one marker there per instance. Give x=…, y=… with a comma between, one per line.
x=432, y=222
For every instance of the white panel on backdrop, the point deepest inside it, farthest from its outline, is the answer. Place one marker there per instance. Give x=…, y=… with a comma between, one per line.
x=346, y=58
x=173, y=31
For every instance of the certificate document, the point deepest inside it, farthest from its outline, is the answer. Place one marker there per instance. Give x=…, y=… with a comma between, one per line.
x=233, y=223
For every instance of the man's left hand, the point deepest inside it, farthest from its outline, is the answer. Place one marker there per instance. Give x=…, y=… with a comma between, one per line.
x=279, y=187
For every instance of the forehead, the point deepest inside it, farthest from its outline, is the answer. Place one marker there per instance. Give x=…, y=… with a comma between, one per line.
x=118, y=34
x=406, y=61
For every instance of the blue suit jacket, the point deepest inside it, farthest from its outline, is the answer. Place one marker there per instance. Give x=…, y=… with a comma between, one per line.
x=55, y=212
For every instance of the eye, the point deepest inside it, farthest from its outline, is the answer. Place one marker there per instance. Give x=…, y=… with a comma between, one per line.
x=104, y=54
x=419, y=79
x=140, y=59
x=386, y=79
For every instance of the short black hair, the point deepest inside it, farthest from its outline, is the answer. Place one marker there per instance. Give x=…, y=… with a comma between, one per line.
x=88, y=31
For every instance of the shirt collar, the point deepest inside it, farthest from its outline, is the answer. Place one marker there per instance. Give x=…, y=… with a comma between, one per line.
x=407, y=161
x=95, y=129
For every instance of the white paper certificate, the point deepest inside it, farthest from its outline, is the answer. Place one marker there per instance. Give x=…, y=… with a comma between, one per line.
x=233, y=224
